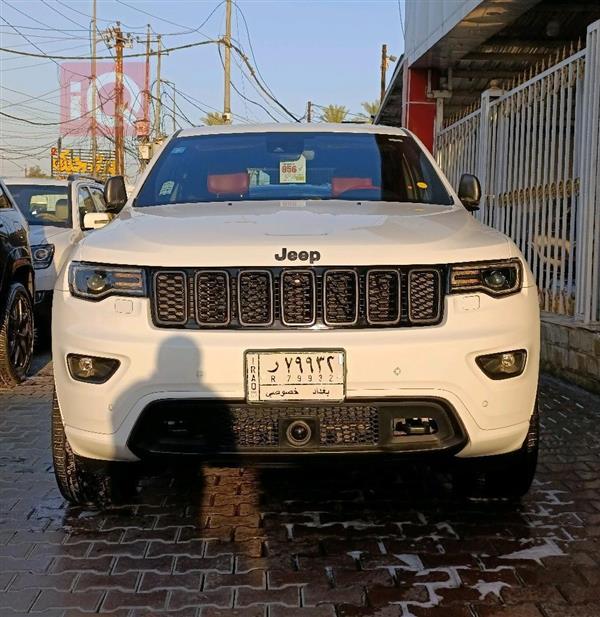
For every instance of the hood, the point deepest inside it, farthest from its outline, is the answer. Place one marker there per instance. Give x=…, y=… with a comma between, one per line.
x=251, y=234
x=43, y=234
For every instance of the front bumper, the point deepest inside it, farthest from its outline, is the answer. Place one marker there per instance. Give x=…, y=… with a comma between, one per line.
x=436, y=362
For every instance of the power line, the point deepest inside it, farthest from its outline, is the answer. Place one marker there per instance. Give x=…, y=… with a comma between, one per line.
x=60, y=13
x=186, y=31
x=239, y=10
x=98, y=18
x=260, y=85
x=243, y=96
x=44, y=55
x=401, y=18
x=25, y=120
x=140, y=55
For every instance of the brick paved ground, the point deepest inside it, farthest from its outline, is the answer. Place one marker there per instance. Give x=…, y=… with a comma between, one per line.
x=229, y=542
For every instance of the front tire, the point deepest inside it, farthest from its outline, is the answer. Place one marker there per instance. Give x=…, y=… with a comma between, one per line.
x=507, y=476
x=16, y=337
x=105, y=484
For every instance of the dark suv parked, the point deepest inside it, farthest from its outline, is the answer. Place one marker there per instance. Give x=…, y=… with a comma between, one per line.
x=16, y=293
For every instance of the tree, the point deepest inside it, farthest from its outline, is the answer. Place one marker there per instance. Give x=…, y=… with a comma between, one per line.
x=371, y=108
x=213, y=118
x=334, y=113
x=35, y=171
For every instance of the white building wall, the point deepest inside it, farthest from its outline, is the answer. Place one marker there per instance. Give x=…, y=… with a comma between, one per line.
x=427, y=21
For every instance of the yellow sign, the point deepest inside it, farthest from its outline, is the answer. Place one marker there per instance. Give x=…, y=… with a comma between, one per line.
x=293, y=172
x=68, y=162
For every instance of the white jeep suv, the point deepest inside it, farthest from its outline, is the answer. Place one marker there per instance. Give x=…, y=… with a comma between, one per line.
x=285, y=294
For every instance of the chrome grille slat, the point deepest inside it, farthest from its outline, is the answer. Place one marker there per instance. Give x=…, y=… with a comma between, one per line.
x=335, y=297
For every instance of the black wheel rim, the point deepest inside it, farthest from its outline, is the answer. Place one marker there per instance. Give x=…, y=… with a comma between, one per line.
x=20, y=334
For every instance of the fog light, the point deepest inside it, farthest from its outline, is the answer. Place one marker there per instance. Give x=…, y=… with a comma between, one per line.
x=503, y=365
x=91, y=369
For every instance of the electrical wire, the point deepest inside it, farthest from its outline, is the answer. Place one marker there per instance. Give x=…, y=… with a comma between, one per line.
x=33, y=122
x=243, y=96
x=60, y=13
x=186, y=31
x=97, y=18
x=166, y=50
x=260, y=85
x=239, y=10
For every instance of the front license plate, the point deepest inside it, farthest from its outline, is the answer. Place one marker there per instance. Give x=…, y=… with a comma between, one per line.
x=288, y=376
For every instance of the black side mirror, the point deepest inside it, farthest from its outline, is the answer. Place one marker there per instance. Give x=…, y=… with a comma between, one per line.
x=469, y=192
x=115, y=193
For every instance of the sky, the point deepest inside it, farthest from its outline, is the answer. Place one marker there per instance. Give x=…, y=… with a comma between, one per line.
x=326, y=51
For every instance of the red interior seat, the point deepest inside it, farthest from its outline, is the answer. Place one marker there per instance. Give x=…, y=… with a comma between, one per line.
x=340, y=185
x=228, y=184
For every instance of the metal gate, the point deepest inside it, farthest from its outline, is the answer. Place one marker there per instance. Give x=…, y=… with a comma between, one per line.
x=535, y=150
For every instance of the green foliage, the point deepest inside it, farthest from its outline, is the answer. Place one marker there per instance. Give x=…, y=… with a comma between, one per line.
x=213, y=118
x=334, y=113
x=370, y=108
x=35, y=171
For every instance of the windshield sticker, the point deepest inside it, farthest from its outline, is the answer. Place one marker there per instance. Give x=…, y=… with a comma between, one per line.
x=422, y=185
x=293, y=172
x=167, y=187
x=178, y=150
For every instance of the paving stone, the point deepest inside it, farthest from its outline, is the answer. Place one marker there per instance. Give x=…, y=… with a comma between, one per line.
x=369, y=542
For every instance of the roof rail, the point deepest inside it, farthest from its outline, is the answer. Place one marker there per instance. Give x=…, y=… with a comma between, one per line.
x=72, y=177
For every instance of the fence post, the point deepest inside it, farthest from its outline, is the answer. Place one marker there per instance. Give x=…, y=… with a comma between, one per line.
x=484, y=145
x=587, y=300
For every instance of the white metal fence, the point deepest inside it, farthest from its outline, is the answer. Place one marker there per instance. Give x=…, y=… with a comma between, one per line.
x=535, y=149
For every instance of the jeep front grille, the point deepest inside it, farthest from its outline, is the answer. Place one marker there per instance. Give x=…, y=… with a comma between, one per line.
x=344, y=297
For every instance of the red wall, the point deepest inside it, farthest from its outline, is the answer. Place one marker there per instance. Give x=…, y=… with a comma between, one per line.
x=419, y=111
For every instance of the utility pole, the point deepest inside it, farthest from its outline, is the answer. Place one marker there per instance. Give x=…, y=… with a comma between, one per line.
x=94, y=127
x=119, y=133
x=174, y=107
x=384, y=64
x=227, y=67
x=157, y=131
x=309, y=111
x=114, y=37
x=383, y=71
x=147, y=81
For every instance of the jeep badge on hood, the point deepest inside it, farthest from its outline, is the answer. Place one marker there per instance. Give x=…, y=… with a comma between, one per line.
x=311, y=256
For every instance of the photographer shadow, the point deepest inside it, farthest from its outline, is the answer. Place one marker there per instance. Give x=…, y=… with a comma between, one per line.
x=177, y=433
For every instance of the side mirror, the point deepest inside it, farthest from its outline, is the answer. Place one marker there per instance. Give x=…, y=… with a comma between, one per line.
x=469, y=192
x=96, y=220
x=115, y=193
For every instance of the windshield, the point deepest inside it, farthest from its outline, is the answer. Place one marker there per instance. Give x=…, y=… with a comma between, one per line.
x=43, y=205
x=292, y=166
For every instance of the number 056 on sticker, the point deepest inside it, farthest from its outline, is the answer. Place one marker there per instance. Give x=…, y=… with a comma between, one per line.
x=288, y=376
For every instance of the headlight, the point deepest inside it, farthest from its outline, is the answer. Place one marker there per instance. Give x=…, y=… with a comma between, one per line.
x=96, y=281
x=499, y=278
x=42, y=255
